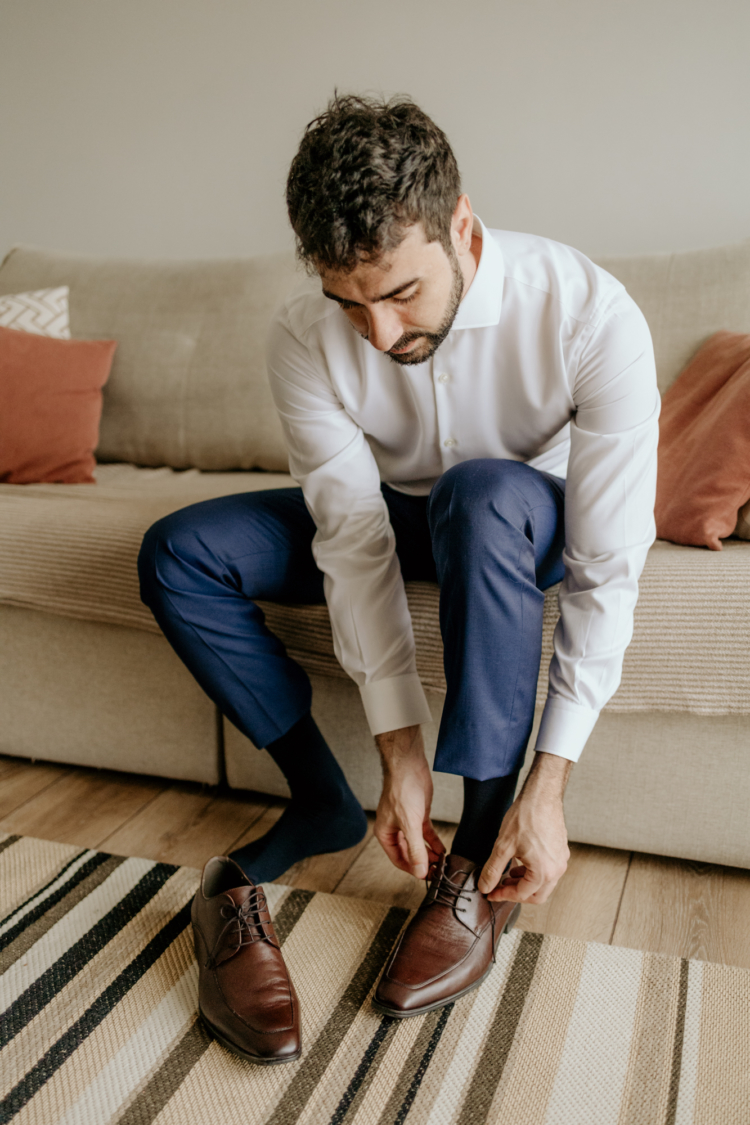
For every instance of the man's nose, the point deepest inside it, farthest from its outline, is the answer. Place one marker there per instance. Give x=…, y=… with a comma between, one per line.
x=384, y=327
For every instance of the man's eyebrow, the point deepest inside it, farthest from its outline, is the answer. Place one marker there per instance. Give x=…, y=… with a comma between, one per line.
x=385, y=297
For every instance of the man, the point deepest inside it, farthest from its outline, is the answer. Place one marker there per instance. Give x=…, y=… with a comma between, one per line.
x=437, y=383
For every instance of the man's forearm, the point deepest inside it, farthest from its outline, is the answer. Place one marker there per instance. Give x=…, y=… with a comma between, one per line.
x=399, y=749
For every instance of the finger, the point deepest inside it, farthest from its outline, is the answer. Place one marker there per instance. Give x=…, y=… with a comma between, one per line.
x=520, y=892
x=431, y=838
x=392, y=847
x=493, y=870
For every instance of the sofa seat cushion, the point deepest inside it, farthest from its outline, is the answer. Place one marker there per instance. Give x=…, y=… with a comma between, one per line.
x=72, y=550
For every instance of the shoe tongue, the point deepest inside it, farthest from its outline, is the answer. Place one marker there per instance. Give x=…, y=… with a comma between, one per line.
x=458, y=869
x=240, y=895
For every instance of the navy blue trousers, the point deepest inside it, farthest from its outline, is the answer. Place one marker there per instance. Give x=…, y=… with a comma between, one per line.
x=491, y=533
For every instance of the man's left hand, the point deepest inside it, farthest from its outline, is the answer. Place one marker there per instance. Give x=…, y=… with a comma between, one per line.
x=532, y=838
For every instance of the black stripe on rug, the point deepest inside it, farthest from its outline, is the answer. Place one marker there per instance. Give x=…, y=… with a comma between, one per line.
x=678, y=1045
x=343, y=1016
x=68, y=1043
x=41, y=890
x=358, y=1085
x=489, y=1069
x=47, y=901
x=45, y=988
x=166, y=1081
x=77, y=891
x=423, y=1066
x=8, y=842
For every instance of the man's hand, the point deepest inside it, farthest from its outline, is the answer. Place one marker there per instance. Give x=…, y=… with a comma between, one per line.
x=402, y=824
x=532, y=836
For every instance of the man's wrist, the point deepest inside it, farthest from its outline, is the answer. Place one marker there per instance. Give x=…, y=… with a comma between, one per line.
x=402, y=748
x=548, y=776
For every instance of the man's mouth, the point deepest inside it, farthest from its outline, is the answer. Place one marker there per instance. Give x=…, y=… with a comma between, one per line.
x=406, y=348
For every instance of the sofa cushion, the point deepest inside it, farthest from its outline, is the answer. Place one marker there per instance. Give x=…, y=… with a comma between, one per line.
x=704, y=445
x=686, y=297
x=50, y=405
x=188, y=385
x=72, y=550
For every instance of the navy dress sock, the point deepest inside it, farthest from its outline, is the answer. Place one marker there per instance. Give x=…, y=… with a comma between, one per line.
x=485, y=805
x=322, y=816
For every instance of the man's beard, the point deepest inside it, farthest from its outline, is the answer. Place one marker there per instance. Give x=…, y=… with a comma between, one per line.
x=432, y=340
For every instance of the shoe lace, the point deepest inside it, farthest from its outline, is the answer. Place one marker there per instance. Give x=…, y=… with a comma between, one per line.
x=245, y=919
x=449, y=894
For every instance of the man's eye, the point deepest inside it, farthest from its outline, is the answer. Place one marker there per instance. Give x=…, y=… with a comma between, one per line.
x=346, y=305
x=404, y=300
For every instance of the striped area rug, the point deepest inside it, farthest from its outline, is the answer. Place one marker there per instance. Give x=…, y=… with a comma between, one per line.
x=98, y=1025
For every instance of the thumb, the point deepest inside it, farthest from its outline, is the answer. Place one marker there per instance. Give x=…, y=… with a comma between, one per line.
x=492, y=872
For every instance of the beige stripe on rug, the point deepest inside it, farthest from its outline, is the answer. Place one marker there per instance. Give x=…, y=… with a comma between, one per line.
x=98, y=1023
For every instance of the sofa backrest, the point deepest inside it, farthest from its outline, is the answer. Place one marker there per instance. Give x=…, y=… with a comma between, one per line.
x=188, y=386
x=686, y=297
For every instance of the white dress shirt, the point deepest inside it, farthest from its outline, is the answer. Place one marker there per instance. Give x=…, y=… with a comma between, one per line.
x=549, y=361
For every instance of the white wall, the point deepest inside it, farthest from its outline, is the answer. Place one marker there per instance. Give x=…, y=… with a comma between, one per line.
x=165, y=127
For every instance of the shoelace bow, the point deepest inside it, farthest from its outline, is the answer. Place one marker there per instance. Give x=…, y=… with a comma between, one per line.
x=246, y=918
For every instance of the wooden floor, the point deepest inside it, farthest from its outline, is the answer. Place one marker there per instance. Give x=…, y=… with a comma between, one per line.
x=623, y=898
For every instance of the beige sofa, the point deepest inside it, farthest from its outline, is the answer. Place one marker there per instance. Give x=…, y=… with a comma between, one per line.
x=86, y=677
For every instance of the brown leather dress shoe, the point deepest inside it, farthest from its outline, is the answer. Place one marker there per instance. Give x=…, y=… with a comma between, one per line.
x=448, y=948
x=245, y=995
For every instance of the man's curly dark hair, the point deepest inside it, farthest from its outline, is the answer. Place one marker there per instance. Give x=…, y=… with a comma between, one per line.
x=365, y=170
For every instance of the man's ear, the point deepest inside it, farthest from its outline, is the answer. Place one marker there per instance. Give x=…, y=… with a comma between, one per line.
x=462, y=226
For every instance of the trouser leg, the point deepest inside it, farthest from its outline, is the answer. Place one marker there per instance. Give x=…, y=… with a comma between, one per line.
x=498, y=534
x=201, y=569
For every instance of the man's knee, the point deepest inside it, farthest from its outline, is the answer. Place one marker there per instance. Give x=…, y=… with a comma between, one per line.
x=163, y=549
x=477, y=492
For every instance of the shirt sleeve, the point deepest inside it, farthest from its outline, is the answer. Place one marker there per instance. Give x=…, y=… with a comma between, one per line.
x=354, y=545
x=609, y=524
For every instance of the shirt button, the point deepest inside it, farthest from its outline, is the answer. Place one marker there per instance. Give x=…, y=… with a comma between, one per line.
x=443, y=378
x=450, y=442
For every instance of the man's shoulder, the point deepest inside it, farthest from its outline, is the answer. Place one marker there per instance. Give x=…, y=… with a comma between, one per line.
x=305, y=308
x=533, y=262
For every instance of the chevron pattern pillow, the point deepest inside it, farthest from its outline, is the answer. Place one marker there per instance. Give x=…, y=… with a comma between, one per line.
x=43, y=312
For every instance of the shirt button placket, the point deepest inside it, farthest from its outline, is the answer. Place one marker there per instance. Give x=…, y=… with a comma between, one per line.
x=445, y=421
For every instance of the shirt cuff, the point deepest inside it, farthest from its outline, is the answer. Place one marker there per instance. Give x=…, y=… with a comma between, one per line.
x=565, y=728
x=397, y=702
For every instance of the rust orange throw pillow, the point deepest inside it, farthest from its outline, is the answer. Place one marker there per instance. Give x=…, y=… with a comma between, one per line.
x=704, y=445
x=50, y=405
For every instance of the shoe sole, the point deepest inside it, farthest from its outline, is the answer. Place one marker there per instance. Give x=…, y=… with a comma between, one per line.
x=236, y=1050
x=397, y=1014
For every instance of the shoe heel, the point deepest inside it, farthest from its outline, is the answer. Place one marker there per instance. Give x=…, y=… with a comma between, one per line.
x=512, y=919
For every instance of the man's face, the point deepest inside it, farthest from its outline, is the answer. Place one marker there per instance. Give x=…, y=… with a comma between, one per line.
x=405, y=304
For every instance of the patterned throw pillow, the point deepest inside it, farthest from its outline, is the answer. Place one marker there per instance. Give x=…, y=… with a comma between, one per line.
x=43, y=312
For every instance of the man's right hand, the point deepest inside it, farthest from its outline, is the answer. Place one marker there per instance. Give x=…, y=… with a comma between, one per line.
x=402, y=823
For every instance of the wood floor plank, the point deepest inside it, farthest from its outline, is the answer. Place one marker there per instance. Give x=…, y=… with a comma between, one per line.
x=372, y=875
x=23, y=782
x=83, y=806
x=187, y=825
x=8, y=763
x=686, y=909
x=585, y=902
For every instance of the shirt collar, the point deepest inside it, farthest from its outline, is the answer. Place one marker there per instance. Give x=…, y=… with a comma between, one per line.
x=480, y=308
